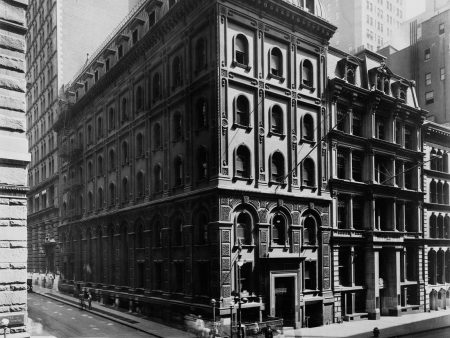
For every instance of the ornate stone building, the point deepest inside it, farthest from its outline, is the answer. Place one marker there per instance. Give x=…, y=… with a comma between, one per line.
x=436, y=180
x=192, y=163
x=14, y=159
x=376, y=159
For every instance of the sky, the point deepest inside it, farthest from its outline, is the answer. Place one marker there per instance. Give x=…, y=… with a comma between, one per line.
x=414, y=7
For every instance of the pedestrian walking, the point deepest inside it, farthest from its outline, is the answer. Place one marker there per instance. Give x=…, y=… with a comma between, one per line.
x=82, y=301
x=89, y=300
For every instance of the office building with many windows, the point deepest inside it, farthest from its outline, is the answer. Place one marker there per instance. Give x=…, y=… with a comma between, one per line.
x=60, y=35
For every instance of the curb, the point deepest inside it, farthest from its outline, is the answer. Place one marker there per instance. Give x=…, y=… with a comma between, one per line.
x=98, y=313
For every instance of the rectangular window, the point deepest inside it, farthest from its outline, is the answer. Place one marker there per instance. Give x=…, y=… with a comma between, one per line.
x=310, y=275
x=441, y=28
x=342, y=213
x=428, y=79
x=358, y=213
x=96, y=76
x=107, y=64
x=179, y=276
x=135, y=36
x=429, y=97
x=152, y=19
x=442, y=73
x=427, y=54
x=158, y=275
x=357, y=167
x=120, y=51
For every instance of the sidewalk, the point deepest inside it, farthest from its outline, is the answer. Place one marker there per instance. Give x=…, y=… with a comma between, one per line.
x=388, y=326
x=145, y=325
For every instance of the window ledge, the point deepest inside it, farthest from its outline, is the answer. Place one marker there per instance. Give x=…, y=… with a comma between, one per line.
x=247, y=68
x=249, y=180
x=280, y=135
x=277, y=77
x=241, y=126
x=281, y=184
x=308, y=87
x=305, y=140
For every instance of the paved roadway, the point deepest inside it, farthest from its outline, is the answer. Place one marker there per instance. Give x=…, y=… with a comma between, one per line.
x=49, y=318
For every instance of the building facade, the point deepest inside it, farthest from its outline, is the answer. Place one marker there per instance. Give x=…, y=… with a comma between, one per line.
x=191, y=164
x=14, y=159
x=436, y=180
x=426, y=61
x=57, y=46
x=375, y=181
x=369, y=24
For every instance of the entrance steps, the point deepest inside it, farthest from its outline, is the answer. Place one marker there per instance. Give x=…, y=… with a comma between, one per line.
x=356, y=316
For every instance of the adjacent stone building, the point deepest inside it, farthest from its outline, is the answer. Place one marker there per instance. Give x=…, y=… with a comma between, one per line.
x=376, y=157
x=13, y=162
x=436, y=180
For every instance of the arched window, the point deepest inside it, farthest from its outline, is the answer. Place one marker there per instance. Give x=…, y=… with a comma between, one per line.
x=202, y=228
x=439, y=161
x=433, y=192
x=112, y=160
x=156, y=87
x=276, y=120
x=178, y=232
x=308, y=173
x=440, y=266
x=139, y=145
x=445, y=162
x=157, y=232
x=440, y=226
x=386, y=86
x=124, y=110
x=125, y=189
x=90, y=170
x=99, y=127
x=241, y=53
x=244, y=228
x=242, y=162
x=432, y=267
x=202, y=113
x=308, y=127
x=276, y=62
x=202, y=163
x=309, y=230
x=440, y=192
x=139, y=98
x=157, y=136
x=89, y=132
x=176, y=72
x=306, y=74
x=140, y=184
x=351, y=75
x=277, y=167
x=100, y=165
x=111, y=119
x=177, y=127
x=178, y=169
x=447, y=226
x=112, y=194
x=100, y=198
x=125, y=152
x=242, y=111
x=90, y=201
x=200, y=53
x=433, y=160
x=433, y=226
x=445, y=198
x=157, y=173
x=279, y=229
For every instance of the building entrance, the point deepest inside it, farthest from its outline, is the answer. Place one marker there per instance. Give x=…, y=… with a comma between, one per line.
x=285, y=299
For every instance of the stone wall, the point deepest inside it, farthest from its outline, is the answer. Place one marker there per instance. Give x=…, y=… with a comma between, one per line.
x=13, y=161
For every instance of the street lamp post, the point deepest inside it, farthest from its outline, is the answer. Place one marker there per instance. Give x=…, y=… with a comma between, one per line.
x=213, y=303
x=4, y=323
x=240, y=262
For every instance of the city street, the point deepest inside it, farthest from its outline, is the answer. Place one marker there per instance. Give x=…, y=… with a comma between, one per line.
x=49, y=318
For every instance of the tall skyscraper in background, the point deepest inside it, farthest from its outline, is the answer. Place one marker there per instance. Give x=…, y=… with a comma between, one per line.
x=427, y=61
x=369, y=24
x=60, y=35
